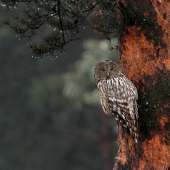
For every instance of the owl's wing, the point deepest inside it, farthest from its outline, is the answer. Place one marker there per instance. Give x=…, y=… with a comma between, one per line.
x=127, y=114
x=122, y=95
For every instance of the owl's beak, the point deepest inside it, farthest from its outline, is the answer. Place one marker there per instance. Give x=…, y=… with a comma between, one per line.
x=108, y=74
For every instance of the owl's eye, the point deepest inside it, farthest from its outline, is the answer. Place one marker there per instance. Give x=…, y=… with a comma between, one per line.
x=103, y=69
x=111, y=69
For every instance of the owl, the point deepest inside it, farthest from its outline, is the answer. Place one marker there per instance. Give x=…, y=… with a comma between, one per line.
x=118, y=95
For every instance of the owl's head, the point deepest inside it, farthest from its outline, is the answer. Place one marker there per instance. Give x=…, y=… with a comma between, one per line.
x=106, y=70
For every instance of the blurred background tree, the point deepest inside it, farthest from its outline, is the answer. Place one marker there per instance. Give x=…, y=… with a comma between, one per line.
x=51, y=116
x=50, y=110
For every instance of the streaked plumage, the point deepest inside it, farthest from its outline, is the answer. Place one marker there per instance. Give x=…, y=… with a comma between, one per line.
x=118, y=95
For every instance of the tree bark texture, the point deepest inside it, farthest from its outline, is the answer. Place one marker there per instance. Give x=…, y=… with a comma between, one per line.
x=144, y=47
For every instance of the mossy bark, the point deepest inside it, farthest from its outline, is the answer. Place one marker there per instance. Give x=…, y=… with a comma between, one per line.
x=144, y=46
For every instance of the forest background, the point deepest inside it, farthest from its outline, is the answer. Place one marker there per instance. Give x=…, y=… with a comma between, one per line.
x=50, y=113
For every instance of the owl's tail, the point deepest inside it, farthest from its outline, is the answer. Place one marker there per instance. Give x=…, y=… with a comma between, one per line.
x=134, y=125
x=133, y=130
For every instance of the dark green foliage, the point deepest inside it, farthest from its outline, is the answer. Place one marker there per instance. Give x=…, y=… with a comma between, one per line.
x=63, y=19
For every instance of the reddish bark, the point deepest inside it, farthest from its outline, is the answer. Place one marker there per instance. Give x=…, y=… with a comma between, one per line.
x=146, y=61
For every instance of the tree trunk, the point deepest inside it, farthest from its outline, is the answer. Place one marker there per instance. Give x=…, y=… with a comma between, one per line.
x=144, y=46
